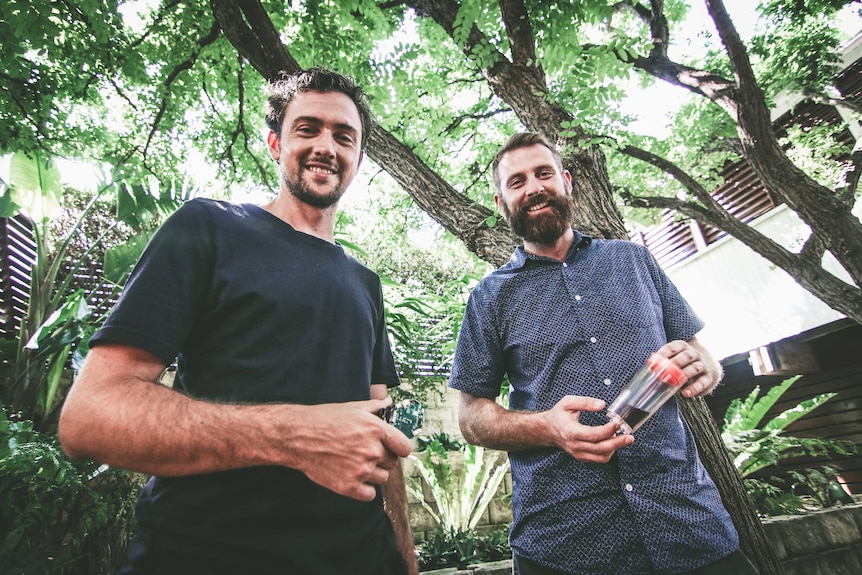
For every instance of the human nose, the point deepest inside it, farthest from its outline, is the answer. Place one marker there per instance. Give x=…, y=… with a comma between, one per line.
x=324, y=145
x=534, y=187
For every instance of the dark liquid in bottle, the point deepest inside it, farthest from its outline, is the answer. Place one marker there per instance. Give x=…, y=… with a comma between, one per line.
x=635, y=417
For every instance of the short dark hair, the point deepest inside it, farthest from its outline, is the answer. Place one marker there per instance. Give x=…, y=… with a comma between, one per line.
x=284, y=89
x=522, y=140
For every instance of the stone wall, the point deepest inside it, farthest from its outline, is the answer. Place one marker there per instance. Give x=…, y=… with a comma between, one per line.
x=826, y=542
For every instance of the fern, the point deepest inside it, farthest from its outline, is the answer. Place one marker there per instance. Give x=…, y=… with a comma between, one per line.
x=753, y=448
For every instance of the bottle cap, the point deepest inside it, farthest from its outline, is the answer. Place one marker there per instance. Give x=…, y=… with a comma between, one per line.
x=666, y=370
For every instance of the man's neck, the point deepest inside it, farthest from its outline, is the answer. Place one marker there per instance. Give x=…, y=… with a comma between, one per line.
x=305, y=218
x=555, y=250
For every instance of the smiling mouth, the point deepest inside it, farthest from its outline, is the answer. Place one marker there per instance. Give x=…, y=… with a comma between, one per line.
x=537, y=207
x=321, y=170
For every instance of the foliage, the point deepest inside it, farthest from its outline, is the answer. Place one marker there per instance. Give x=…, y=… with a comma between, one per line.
x=801, y=491
x=463, y=488
x=771, y=497
x=158, y=89
x=59, y=319
x=821, y=485
x=753, y=448
x=58, y=516
x=426, y=275
x=424, y=329
x=454, y=548
x=440, y=438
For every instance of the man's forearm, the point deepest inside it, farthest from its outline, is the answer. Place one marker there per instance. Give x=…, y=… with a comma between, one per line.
x=146, y=428
x=484, y=422
x=115, y=413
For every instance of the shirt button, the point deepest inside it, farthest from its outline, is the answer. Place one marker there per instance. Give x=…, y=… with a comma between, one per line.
x=629, y=487
x=607, y=381
x=593, y=340
x=577, y=298
x=565, y=265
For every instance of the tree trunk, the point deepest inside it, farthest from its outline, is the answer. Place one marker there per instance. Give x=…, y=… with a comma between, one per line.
x=752, y=537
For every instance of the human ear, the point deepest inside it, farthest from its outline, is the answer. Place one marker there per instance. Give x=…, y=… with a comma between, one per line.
x=272, y=143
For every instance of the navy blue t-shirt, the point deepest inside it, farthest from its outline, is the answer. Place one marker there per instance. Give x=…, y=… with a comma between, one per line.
x=255, y=311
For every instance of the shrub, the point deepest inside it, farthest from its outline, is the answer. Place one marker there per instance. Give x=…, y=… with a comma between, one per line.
x=456, y=548
x=754, y=447
x=462, y=486
x=58, y=516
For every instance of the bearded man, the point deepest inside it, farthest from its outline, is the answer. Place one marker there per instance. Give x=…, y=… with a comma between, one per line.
x=569, y=320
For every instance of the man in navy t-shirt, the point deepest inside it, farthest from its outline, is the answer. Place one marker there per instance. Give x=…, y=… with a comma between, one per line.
x=267, y=455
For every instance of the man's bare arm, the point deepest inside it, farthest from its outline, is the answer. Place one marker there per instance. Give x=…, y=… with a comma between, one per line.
x=484, y=422
x=116, y=414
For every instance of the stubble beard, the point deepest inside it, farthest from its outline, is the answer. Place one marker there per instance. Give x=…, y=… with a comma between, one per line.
x=303, y=192
x=545, y=229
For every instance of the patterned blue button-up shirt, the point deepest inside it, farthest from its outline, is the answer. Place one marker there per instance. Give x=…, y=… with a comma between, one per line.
x=583, y=327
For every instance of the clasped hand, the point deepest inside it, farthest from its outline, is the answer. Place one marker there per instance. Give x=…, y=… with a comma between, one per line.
x=595, y=444
x=350, y=450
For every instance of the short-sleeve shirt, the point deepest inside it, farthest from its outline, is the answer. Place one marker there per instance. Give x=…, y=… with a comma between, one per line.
x=255, y=312
x=583, y=327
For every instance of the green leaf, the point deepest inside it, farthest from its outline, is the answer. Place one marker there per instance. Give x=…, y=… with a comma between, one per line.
x=758, y=410
x=787, y=417
x=120, y=259
x=8, y=207
x=35, y=184
x=48, y=390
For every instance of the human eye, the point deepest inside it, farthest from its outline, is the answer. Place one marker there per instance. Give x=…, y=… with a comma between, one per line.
x=515, y=183
x=305, y=129
x=348, y=138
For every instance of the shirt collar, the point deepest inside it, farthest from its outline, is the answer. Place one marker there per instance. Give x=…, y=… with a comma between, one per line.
x=520, y=257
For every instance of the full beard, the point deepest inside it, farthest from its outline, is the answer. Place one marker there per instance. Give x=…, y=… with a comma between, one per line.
x=303, y=193
x=544, y=229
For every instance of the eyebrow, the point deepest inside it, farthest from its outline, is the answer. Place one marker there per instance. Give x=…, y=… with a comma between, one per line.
x=317, y=121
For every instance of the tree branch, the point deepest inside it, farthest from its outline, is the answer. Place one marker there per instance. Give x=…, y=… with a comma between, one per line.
x=709, y=211
x=524, y=88
x=848, y=179
x=248, y=27
x=680, y=175
x=522, y=43
x=187, y=64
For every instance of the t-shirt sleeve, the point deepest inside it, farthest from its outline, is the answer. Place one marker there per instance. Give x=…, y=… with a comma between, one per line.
x=383, y=369
x=167, y=288
x=478, y=367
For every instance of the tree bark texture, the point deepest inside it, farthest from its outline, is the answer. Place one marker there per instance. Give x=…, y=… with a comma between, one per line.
x=716, y=459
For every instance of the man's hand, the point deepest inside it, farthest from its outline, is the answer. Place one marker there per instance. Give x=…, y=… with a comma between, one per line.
x=584, y=442
x=349, y=449
x=695, y=361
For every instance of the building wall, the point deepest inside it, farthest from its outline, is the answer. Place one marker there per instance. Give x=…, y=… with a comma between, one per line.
x=745, y=301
